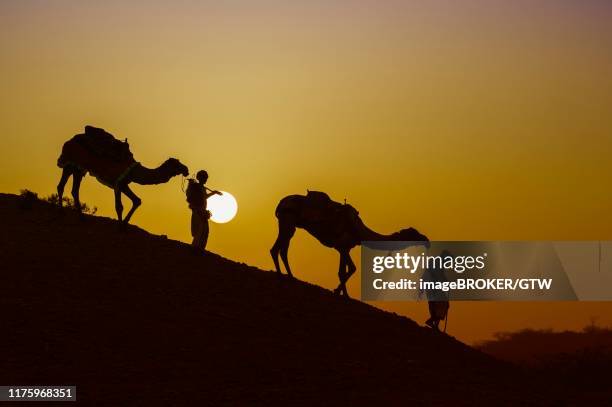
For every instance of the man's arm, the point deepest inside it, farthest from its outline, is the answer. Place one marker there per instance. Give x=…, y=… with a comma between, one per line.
x=211, y=193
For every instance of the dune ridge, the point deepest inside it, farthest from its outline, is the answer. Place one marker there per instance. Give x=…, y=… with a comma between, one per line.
x=133, y=318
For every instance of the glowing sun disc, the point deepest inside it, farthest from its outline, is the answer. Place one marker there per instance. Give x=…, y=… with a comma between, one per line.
x=222, y=207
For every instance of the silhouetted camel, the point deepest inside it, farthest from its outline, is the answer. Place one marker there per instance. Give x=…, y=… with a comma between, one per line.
x=335, y=225
x=111, y=162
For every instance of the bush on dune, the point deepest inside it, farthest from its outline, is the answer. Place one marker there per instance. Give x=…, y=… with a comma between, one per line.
x=29, y=198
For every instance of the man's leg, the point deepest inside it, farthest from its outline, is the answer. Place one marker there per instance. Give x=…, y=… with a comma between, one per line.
x=430, y=322
x=195, y=229
x=204, y=234
x=436, y=324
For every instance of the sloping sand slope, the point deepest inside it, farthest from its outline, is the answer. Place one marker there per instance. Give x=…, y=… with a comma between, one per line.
x=136, y=319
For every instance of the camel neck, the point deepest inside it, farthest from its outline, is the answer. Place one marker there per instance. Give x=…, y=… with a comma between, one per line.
x=367, y=234
x=150, y=176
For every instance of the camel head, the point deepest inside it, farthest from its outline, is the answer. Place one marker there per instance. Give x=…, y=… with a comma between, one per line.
x=175, y=167
x=411, y=235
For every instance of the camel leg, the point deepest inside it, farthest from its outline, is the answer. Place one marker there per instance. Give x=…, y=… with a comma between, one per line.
x=118, y=205
x=351, y=270
x=286, y=230
x=66, y=173
x=274, y=252
x=341, y=274
x=135, y=202
x=77, y=177
x=284, y=250
x=346, y=258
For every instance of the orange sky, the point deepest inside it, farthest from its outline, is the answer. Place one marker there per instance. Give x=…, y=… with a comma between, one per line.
x=469, y=120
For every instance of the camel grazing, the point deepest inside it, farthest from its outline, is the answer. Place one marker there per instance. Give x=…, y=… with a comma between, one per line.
x=112, y=163
x=335, y=225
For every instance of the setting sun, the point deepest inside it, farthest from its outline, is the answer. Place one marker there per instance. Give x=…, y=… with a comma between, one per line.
x=222, y=207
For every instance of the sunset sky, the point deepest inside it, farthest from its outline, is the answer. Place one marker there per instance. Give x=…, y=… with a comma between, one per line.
x=469, y=120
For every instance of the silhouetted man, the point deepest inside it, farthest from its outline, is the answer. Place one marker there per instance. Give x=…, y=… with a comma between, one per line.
x=437, y=299
x=196, y=197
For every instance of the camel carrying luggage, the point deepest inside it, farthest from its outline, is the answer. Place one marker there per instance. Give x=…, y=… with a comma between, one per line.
x=321, y=208
x=99, y=153
x=105, y=144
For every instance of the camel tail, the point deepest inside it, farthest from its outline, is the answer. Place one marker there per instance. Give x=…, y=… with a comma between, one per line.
x=64, y=159
x=61, y=161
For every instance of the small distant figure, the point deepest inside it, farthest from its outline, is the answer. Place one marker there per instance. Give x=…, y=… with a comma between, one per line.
x=438, y=299
x=197, y=194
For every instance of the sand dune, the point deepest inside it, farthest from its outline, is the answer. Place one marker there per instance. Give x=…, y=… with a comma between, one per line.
x=136, y=319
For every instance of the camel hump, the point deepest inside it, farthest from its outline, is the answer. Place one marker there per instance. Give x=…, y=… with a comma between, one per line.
x=105, y=145
x=318, y=198
x=313, y=201
x=317, y=208
x=99, y=153
x=322, y=202
x=320, y=208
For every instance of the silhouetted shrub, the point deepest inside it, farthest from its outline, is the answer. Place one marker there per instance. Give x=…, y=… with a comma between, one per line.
x=67, y=202
x=27, y=199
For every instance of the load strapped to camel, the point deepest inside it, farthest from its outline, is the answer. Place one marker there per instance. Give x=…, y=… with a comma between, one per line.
x=321, y=208
x=99, y=153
